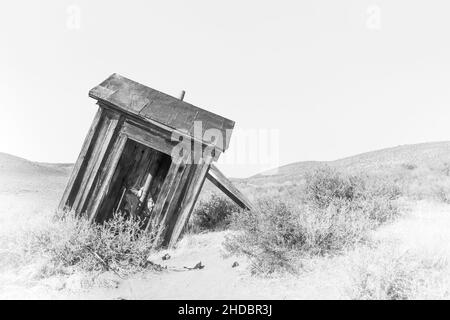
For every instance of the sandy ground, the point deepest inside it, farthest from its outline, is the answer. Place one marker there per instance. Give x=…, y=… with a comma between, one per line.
x=424, y=229
x=422, y=235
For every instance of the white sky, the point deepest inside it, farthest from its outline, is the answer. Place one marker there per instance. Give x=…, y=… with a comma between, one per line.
x=331, y=80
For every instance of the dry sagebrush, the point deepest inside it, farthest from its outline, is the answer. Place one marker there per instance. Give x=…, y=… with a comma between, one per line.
x=336, y=213
x=388, y=273
x=70, y=242
x=212, y=215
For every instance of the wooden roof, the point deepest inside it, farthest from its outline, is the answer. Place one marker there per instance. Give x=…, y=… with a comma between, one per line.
x=154, y=106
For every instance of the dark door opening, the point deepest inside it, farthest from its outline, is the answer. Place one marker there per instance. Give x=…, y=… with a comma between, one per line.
x=136, y=183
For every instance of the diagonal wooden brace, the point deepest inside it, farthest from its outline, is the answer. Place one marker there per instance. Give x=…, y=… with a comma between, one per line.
x=226, y=186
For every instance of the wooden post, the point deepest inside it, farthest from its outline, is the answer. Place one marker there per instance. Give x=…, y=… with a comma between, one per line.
x=146, y=188
x=182, y=95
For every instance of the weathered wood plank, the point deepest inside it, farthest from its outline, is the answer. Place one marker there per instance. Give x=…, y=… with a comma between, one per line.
x=189, y=198
x=174, y=204
x=226, y=186
x=149, y=139
x=151, y=105
x=80, y=164
x=93, y=156
x=108, y=172
x=171, y=183
x=108, y=131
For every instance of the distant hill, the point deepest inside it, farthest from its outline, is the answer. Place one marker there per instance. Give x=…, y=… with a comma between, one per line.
x=21, y=175
x=425, y=165
x=433, y=155
x=12, y=165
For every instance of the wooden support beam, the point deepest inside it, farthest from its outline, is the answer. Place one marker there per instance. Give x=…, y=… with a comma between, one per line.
x=226, y=186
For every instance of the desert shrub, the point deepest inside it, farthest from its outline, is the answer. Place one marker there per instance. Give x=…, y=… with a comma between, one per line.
x=119, y=245
x=446, y=169
x=278, y=232
x=326, y=185
x=388, y=274
x=382, y=187
x=212, y=215
x=373, y=195
x=442, y=194
x=338, y=213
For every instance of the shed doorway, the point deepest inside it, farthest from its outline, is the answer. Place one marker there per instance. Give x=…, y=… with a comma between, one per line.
x=136, y=183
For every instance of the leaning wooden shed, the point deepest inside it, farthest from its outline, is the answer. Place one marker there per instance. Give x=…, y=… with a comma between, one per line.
x=147, y=154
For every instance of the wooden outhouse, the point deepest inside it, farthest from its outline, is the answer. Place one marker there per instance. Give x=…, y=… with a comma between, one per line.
x=147, y=154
